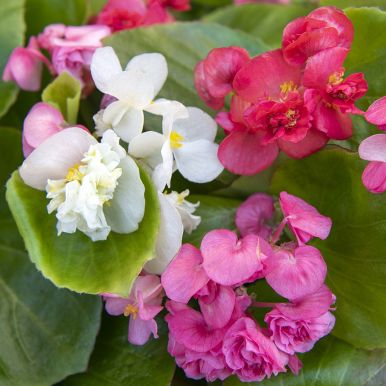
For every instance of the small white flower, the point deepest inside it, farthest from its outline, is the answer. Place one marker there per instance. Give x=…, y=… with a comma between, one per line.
x=186, y=209
x=94, y=187
x=134, y=88
x=186, y=143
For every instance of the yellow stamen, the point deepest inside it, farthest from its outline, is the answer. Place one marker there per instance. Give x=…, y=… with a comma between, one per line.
x=131, y=310
x=74, y=174
x=336, y=78
x=288, y=87
x=175, y=140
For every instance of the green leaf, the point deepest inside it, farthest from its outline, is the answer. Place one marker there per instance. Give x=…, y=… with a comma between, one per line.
x=12, y=29
x=264, y=21
x=64, y=94
x=331, y=362
x=355, y=250
x=40, y=325
x=354, y=3
x=73, y=260
x=117, y=362
x=183, y=45
x=40, y=13
x=215, y=212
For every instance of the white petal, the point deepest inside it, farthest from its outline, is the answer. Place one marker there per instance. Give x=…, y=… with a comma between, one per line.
x=197, y=161
x=104, y=67
x=112, y=139
x=147, y=145
x=153, y=66
x=128, y=204
x=114, y=112
x=130, y=125
x=133, y=88
x=199, y=125
x=169, y=237
x=167, y=166
x=55, y=156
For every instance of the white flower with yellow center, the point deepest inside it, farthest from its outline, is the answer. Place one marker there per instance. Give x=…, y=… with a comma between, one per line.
x=94, y=187
x=186, y=143
x=135, y=88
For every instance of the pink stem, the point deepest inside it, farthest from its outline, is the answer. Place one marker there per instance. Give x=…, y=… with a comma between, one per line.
x=276, y=235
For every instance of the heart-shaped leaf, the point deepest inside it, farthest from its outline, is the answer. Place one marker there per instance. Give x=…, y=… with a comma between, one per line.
x=73, y=260
x=355, y=251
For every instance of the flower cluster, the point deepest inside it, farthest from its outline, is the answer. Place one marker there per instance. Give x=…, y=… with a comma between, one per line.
x=220, y=337
x=294, y=99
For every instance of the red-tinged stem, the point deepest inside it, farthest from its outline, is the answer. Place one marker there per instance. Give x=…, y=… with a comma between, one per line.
x=276, y=235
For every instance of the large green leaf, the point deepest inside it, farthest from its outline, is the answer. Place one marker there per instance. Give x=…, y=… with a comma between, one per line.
x=64, y=94
x=12, y=29
x=331, y=362
x=117, y=362
x=215, y=212
x=40, y=13
x=39, y=324
x=354, y=3
x=183, y=45
x=355, y=251
x=265, y=21
x=73, y=260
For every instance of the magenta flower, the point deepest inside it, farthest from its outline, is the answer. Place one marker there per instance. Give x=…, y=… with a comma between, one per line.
x=373, y=149
x=323, y=28
x=229, y=261
x=214, y=75
x=250, y=354
x=25, y=66
x=143, y=304
x=295, y=272
x=253, y=214
x=298, y=326
x=303, y=219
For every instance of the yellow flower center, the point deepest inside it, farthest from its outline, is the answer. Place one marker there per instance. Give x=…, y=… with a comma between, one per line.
x=336, y=78
x=176, y=140
x=130, y=309
x=288, y=87
x=74, y=174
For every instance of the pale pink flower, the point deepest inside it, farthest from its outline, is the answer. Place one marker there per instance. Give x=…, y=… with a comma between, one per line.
x=376, y=113
x=250, y=354
x=143, y=304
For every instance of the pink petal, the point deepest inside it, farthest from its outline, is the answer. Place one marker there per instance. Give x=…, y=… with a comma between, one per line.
x=217, y=308
x=184, y=276
x=376, y=113
x=149, y=286
x=374, y=177
x=42, y=121
x=189, y=328
x=305, y=221
x=243, y=153
x=227, y=260
x=252, y=214
x=295, y=364
x=373, y=148
x=263, y=75
x=140, y=330
x=147, y=311
x=321, y=66
x=295, y=273
x=312, y=142
x=115, y=305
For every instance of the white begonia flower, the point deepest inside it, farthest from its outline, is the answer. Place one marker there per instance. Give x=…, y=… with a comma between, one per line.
x=186, y=143
x=134, y=88
x=94, y=187
x=186, y=209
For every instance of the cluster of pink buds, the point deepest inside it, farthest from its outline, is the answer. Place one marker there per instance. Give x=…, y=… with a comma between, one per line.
x=294, y=99
x=219, y=336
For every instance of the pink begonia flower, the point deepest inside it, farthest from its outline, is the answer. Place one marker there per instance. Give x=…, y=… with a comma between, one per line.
x=252, y=215
x=229, y=261
x=143, y=304
x=329, y=96
x=185, y=275
x=373, y=149
x=295, y=364
x=250, y=354
x=25, y=66
x=72, y=48
x=42, y=121
x=177, y=5
x=303, y=219
x=297, y=327
x=376, y=113
x=214, y=75
x=323, y=28
x=295, y=272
